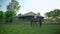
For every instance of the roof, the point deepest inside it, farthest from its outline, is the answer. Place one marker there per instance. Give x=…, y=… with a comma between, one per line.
x=29, y=14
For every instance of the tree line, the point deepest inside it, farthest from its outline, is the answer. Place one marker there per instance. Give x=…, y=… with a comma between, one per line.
x=53, y=15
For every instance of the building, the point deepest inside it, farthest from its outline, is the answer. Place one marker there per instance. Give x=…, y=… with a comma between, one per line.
x=27, y=16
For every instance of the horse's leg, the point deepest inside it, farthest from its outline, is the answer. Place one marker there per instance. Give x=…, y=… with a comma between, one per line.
x=40, y=23
x=31, y=23
x=36, y=23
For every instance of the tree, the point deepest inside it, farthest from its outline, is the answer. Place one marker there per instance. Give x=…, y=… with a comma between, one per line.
x=53, y=14
x=56, y=14
x=1, y=16
x=19, y=14
x=12, y=9
x=0, y=5
x=38, y=14
x=9, y=15
x=13, y=5
x=47, y=14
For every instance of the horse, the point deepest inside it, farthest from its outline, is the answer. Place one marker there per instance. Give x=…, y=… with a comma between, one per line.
x=36, y=20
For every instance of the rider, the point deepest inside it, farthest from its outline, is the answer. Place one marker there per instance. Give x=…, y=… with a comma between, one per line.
x=35, y=16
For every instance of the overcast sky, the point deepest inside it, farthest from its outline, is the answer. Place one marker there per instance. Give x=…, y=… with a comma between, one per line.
x=36, y=6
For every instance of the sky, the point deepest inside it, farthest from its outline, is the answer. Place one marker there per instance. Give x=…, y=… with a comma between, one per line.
x=41, y=6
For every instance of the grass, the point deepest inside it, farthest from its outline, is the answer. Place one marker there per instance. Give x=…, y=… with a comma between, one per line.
x=25, y=28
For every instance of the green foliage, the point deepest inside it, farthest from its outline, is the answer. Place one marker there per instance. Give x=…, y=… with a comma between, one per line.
x=57, y=12
x=9, y=15
x=54, y=14
x=0, y=6
x=38, y=14
x=1, y=16
x=13, y=5
x=19, y=14
x=12, y=9
x=47, y=14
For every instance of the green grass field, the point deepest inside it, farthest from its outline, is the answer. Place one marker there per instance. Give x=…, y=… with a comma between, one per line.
x=27, y=29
